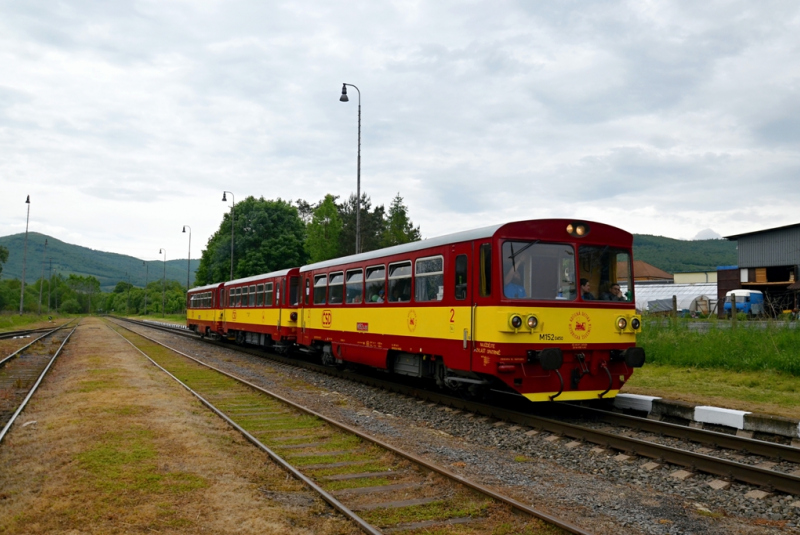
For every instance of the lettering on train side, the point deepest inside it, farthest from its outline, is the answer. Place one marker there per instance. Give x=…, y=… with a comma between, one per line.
x=550, y=337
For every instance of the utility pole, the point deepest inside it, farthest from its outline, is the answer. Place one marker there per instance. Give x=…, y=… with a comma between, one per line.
x=41, y=281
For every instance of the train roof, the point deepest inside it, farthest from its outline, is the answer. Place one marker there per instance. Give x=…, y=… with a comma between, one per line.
x=458, y=237
x=279, y=273
x=467, y=235
x=206, y=287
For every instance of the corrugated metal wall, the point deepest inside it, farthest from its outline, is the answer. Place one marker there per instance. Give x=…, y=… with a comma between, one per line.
x=780, y=247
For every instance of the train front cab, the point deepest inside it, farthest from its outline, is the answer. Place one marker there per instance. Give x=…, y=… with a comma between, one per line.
x=546, y=340
x=263, y=310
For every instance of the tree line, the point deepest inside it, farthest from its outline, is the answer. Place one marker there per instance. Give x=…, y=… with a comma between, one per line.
x=268, y=235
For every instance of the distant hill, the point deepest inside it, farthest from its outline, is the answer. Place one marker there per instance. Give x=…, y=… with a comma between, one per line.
x=678, y=256
x=671, y=255
x=108, y=268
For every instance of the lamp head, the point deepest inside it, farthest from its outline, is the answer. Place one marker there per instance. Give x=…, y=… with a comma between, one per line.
x=344, y=98
x=223, y=197
x=28, y=200
x=184, y=229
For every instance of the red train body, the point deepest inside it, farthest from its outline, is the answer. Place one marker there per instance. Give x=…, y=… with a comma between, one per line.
x=498, y=307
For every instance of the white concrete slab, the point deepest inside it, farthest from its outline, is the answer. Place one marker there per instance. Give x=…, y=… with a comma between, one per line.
x=635, y=402
x=720, y=416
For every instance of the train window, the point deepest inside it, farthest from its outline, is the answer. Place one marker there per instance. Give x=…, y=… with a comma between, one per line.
x=486, y=269
x=253, y=295
x=268, y=294
x=308, y=291
x=336, y=288
x=535, y=270
x=400, y=282
x=294, y=287
x=606, y=270
x=238, y=298
x=429, y=279
x=376, y=284
x=260, y=295
x=354, y=287
x=320, y=287
x=461, y=277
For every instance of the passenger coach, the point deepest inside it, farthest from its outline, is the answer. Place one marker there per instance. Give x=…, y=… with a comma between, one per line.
x=204, y=309
x=506, y=306
x=262, y=310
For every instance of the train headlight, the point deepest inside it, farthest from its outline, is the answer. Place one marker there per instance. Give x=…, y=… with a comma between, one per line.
x=635, y=324
x=577, y=229
x=533, y=322
x=622, y=323
x=293, y=316
x=515, y=321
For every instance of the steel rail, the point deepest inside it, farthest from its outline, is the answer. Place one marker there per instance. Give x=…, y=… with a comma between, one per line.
x=702, y=436
x=48, y=333
x=336, y=504
x=36, y=385
x=753, y=475
x=394, y=449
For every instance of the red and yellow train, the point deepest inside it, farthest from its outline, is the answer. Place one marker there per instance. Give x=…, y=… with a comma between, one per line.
x=528, y=306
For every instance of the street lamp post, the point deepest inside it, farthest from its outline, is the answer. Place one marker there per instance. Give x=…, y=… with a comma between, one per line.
x=164, y=284
x=41, y=282
x=233, y=203
x=146, y=272
x=24, y=257
x=189, y=259
x=344, y=98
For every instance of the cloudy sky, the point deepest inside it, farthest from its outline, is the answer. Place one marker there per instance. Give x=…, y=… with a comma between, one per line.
x=125, y=121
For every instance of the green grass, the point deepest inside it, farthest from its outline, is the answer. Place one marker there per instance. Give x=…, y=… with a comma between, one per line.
x=451, y=508
x=745, y=348
x=126, y=461
x=13, y=322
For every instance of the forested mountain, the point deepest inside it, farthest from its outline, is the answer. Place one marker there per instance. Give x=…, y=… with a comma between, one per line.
x=108, y=268
x=677, y=256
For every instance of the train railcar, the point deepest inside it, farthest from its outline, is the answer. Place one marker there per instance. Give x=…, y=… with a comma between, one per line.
x=204, y=309
x=262, y=310
x=530, y=306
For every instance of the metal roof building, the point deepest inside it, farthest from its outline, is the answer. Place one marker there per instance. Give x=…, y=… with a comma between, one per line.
x=769, y=261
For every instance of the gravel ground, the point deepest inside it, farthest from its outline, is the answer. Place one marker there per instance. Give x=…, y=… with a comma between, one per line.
x=588, y=486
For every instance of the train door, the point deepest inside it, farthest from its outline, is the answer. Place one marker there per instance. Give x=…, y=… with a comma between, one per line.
x=483, y=302
x=460, y=313
x=218, y=308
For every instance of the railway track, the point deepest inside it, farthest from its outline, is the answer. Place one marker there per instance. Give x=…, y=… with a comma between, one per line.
x=23, y=371
x=379, y=487
x=760, y=466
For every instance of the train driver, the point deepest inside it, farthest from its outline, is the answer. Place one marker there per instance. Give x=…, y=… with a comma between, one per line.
x=513, y=289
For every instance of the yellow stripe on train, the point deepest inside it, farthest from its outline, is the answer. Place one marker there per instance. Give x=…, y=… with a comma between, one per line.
x=492, y=324
x=571, y=395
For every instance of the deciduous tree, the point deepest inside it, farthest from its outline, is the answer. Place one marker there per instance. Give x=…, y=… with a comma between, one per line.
x=322, y=232
x=268, y=236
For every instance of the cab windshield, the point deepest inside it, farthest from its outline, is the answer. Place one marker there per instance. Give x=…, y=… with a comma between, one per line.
x=605, y=274
x=535, y=270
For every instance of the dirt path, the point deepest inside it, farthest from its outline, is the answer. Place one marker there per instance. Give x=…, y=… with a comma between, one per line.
x=110, y=444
